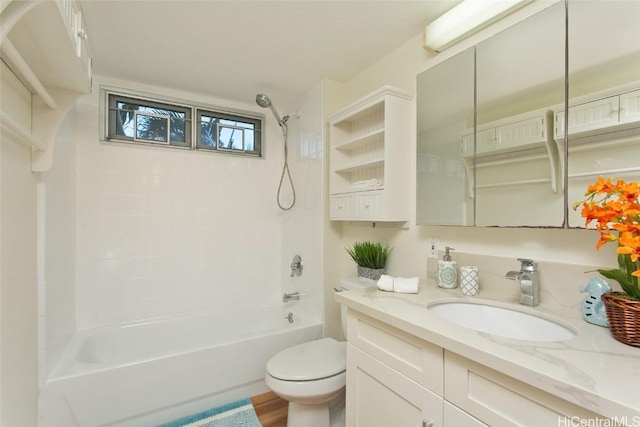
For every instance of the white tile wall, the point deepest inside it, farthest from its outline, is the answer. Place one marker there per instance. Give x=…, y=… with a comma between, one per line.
x=162, y=231
x=301, y=227
x=57, y=249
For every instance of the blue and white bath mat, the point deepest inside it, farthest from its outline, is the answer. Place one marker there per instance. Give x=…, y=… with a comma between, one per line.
x=236, y=414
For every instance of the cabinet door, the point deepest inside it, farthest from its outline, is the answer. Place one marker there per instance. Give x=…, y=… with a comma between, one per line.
x=370, y=205
x=589, y=116
x=486, y=140
x=455, y=417
x=341, y=207
x=500, y=400
x=630, y=107
x=521, y=133
x=378, y=396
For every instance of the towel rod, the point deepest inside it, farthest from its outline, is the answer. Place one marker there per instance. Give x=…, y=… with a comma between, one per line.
x=514, y=183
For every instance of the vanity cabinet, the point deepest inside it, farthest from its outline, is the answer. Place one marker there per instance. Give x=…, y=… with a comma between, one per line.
x=369, y=158
x=500, y=400
x=395, y=378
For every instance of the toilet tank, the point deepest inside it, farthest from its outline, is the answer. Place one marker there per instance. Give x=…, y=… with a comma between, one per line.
x=352, y=283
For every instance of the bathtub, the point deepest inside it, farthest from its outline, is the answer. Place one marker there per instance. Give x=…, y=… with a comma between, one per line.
x=148, y=373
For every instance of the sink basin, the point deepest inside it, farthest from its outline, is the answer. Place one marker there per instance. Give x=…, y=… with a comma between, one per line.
x=501, y=321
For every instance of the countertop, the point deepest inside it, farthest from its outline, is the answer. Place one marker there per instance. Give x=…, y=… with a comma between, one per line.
x=592, y=370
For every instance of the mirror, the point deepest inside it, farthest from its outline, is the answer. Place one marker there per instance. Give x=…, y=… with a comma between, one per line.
x=519, y=76
x=513, y=163
x=445, y=111
x=604, y=95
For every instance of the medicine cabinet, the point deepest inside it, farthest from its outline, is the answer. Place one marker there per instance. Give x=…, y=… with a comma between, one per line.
x=510, y=142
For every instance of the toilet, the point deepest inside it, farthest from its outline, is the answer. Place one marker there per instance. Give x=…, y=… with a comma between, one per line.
x=311, y=375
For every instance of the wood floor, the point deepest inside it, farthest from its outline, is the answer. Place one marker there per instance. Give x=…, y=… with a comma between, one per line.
x=271, y=409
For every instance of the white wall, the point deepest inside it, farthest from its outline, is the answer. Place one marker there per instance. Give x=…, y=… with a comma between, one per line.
x=18, y=279
x=301, y=226
x=163, y=231
x=57, y=249
x=400, y=68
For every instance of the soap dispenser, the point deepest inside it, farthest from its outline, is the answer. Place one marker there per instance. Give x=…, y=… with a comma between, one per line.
x=447, y=271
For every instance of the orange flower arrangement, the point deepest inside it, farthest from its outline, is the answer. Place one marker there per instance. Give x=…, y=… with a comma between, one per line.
x=616, y=210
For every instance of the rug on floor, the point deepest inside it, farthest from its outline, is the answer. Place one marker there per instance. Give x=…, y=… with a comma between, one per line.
x=236, y=414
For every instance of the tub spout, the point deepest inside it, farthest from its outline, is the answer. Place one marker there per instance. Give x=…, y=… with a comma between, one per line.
x=292, y=296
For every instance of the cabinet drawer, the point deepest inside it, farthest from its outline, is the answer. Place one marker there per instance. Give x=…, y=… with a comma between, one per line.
x=341, y=207
x=500, y=400
x=521, y=133
x=370, y=205
x=419, y=360
x=589, y=116
x=378, y=396
x=630, y=107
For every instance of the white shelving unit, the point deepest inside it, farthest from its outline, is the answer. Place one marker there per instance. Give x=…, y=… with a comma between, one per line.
x=44, y=44
x=521, y=138
x=598, y=123
x=370, y=154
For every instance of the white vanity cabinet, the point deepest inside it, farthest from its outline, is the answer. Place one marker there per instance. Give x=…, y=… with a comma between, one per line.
x=393, y=378
x=397, y=379
x=370, y=158
x=500, y=400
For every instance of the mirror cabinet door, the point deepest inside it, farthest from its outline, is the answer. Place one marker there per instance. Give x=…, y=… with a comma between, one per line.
x=445, y=110
x=604, y=96
x=520, y=77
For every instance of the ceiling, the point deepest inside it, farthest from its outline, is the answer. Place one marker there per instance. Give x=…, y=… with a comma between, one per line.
x=235, y=49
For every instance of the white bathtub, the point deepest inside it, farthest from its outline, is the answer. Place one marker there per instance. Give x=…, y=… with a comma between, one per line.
x=148, y=373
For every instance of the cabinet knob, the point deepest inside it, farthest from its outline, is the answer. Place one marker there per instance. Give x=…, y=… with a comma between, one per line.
x=367, y=205
x=427, y=423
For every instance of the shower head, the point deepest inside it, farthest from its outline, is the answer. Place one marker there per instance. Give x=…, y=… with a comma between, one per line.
x=265, y=102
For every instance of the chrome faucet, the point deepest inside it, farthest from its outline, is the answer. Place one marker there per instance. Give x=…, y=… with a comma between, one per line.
x=529, y=279
x=292, y=296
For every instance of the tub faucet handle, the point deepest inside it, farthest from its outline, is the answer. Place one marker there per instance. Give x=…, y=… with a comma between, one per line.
x=296, y=266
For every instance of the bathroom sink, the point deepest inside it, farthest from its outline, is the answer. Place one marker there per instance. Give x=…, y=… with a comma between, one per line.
x=502, y=321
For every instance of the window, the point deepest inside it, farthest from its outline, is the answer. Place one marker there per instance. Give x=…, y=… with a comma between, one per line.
x=227, y=132
x=147, y=121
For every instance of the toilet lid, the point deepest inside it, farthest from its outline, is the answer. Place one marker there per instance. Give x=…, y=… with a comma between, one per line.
x=309, y=361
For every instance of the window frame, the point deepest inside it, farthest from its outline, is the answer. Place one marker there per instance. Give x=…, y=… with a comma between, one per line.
x=112, y=135
x=192, y=129
x=225, y=115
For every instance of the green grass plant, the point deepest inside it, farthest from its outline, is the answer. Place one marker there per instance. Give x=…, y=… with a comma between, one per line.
x=370, y=254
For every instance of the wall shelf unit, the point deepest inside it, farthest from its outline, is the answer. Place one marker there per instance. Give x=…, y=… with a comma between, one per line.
x=44, y=44
x=520, y=138
x=370, y=158
x=598, y=123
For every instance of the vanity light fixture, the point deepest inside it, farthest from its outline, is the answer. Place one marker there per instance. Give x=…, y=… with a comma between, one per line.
x=465, y=19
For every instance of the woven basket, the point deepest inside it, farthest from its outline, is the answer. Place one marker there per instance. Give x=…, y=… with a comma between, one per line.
x=623, y=316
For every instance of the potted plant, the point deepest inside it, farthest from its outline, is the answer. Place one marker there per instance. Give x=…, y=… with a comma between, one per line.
x=615, y=208
x=371, y=258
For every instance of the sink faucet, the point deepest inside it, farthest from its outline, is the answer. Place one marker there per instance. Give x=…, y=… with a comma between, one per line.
x=529, y=279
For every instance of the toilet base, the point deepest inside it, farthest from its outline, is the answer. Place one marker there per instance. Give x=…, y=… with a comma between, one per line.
x=308, y=415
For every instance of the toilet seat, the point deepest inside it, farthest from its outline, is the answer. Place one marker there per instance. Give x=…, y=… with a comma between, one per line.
x=309, y=361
